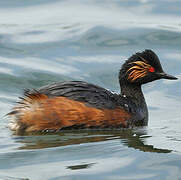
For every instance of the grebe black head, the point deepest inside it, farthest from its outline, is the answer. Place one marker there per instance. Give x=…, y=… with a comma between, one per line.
x=142, y=68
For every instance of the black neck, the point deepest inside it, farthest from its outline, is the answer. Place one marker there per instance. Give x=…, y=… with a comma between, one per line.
x=135, y=95
x=134, y=92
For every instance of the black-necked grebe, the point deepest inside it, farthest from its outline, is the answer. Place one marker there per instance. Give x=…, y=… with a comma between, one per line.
x=78, y=105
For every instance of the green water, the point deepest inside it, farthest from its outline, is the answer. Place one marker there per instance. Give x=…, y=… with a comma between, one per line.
x=48, y=41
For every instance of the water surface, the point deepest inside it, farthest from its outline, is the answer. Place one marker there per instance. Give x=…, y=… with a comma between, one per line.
x=47, y=41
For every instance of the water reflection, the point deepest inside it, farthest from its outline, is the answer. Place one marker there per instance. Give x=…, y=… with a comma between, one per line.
x=80, y=166
x=12, y=178
x=131, y=138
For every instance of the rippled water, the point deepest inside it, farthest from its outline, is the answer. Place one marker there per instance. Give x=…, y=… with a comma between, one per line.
x=46, y=41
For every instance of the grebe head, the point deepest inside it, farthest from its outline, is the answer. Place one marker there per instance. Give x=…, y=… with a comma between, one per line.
x=142, y=68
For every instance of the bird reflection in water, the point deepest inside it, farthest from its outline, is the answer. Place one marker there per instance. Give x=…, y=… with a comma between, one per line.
x=133, y=138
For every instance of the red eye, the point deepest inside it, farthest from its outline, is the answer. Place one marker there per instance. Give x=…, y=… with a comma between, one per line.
x=151, y=69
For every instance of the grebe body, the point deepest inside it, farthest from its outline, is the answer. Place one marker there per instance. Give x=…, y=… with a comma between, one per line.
x=79, y=105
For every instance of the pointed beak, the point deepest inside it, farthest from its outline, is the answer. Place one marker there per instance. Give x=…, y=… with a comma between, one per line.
x=163, y=75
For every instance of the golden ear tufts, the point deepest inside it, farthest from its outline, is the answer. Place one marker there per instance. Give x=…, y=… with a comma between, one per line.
x=139, y=70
